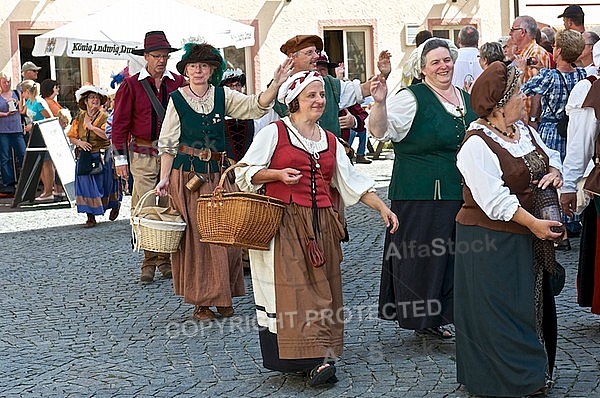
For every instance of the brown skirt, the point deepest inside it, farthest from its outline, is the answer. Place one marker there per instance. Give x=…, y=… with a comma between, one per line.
x=307, y=300
x=204, y=274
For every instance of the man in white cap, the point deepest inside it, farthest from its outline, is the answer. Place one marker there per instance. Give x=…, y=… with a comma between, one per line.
x=29, y=71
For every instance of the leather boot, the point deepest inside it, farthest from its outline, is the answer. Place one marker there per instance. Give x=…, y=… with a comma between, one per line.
x=91, y=221
x=114, y=213
x=202, y=313
x=147, y=275
x=225, y=311
x=164, y=265
x=148, y=267
x=362, y=159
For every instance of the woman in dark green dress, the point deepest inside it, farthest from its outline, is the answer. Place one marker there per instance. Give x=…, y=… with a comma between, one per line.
x=426, y=123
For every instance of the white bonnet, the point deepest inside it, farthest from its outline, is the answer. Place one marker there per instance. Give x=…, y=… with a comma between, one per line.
x=294, y=85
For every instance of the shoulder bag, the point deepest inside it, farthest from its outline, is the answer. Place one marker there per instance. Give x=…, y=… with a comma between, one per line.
x=87, y=163
x=563, y=122
x=158, y=108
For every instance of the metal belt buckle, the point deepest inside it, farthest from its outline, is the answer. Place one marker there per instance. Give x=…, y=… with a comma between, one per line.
x=205, y=154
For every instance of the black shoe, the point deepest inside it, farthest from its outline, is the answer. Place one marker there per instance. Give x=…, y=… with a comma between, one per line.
x=362, y=159
x=321, y=376
x=7, y=189
x=563, y=245
x=440, y=332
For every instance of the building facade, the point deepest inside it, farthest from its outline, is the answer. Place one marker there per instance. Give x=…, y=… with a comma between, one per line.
x=354, y=32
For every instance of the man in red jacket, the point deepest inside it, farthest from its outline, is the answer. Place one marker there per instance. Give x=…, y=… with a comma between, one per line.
x=136, y=127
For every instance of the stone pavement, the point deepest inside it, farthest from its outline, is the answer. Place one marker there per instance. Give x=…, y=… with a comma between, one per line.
x=76, y=322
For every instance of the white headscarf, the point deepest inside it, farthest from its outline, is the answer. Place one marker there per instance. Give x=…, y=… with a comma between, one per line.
x=294, y=85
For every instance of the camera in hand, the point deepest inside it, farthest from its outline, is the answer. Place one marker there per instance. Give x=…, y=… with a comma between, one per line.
x=558, y=230
x=531, y=61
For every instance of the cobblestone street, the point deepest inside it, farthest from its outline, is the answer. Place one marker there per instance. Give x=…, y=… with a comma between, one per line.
x=75, y=322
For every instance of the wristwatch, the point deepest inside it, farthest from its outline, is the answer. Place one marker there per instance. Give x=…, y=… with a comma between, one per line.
x=533, y=119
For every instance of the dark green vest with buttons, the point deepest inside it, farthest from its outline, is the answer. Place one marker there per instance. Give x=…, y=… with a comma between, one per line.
x=200, y=131
x=329, y=120
x=425, y=163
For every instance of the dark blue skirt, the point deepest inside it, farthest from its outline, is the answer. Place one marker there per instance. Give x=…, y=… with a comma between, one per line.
x=94, y=194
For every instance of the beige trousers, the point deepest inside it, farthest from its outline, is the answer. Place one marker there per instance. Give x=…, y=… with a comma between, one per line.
x=145, y=170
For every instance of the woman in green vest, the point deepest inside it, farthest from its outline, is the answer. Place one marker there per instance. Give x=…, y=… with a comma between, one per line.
x=192, y=144
x=426, y=123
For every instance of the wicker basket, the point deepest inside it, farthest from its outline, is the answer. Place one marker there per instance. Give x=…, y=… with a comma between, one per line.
x=155, y=235
x=238, y=219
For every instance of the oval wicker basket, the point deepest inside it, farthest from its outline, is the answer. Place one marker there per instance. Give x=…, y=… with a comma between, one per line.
x=238, y=218
x=155, y=235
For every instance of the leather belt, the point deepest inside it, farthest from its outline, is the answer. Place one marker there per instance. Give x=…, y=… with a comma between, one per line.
x=143, y=142
x=203, y=154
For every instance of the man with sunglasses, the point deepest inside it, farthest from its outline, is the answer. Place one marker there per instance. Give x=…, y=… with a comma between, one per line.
x=140, y=103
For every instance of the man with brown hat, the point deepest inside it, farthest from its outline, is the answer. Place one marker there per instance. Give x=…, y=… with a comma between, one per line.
x=140, y=105
x=339, y=94
x=573, y=17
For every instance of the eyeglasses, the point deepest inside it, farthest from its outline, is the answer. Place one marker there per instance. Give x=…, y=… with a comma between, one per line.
x=163, y=57
x=310, y=53
x=93, y=96
x=515, y=29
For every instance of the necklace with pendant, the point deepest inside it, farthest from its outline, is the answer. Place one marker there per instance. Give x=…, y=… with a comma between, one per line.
x=459, y=109
x=510, y=134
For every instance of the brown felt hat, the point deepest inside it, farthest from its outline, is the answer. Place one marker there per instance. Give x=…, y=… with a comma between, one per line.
x=299, y=42
x=199, y=52
x=494, y=87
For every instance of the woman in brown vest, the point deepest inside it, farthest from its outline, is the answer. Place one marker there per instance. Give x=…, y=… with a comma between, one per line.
x=504, y=308
x=299, y=301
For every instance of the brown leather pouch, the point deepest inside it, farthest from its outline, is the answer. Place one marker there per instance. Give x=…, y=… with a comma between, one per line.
x=315, y=253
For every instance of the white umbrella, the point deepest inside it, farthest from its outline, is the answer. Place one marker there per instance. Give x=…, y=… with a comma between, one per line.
x=115, y=31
